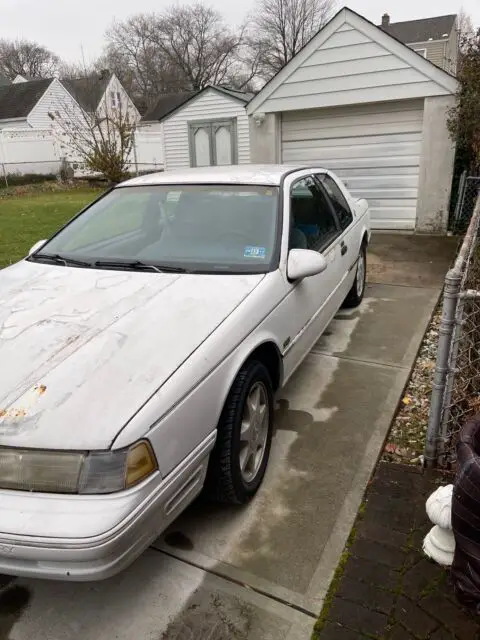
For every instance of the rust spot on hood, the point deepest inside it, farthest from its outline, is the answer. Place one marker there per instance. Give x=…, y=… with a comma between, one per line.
x=28, y=401
x=12, y=413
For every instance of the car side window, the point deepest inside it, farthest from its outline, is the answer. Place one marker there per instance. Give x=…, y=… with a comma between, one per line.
x=312, y=222
x=339, y=202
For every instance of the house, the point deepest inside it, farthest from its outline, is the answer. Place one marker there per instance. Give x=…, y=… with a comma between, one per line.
x=3, y=81
x=436, y=39
x=19, y=78
x=101, y=93
x=360, y=102
x=27, y=141
x=37, y=108
x=26, y=104
x=201, y=128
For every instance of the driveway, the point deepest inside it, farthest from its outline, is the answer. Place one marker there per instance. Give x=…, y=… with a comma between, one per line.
x=262, y=572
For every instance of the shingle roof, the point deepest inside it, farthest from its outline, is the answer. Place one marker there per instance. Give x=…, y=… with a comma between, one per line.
x=170, y=102
x=87, y=91
x=244, y=96
x=17, y=100
x=167, y=103
x=423, y=30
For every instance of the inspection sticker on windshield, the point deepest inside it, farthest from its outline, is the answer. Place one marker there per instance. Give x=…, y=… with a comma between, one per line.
x=254, y=252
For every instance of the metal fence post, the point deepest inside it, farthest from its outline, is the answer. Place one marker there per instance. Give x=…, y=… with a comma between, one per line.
x=3, y=159
x=433, y=445
x=460, y=197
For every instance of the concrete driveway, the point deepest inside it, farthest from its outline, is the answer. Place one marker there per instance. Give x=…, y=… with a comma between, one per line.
x=262, y=572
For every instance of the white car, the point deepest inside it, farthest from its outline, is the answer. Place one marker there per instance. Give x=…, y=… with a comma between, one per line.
x=141, y=347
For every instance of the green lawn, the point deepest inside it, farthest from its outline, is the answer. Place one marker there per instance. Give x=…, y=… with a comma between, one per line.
x=27, y=218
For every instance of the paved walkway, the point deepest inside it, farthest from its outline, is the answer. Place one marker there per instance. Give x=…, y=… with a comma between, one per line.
x=389, y=590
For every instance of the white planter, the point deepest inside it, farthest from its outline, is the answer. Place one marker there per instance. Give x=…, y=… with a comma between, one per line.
x=439, y=543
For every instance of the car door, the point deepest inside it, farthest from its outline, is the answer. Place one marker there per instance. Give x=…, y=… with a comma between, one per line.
x=311, y=303
x=350, y=238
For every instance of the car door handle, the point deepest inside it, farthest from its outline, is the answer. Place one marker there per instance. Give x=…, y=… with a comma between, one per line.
x=344, y=248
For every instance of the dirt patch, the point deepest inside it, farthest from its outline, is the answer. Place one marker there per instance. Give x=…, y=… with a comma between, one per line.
x=406, y=440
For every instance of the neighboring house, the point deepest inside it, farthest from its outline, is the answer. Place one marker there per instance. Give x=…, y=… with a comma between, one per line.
x=359, y=102
x=101, y=93
x=436, y=39
x=27, y=104
x=31, y=114
x=4, y=81
x=201, y=128
x=18, y=78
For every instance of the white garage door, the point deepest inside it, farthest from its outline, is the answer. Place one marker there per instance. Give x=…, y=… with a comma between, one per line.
x=375, y=149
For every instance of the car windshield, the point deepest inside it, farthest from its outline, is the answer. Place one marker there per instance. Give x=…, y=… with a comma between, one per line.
x=197, y=228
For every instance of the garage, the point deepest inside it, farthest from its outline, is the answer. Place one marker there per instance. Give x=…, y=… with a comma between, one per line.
x=359, y=102
x=375, y=150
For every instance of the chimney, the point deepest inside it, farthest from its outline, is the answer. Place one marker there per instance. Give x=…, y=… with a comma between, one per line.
x=385, y=20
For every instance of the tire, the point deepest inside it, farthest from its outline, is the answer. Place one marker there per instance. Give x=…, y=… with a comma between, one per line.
x=226, y=481
x=356, y=293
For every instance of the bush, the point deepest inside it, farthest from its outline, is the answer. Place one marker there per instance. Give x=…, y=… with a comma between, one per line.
x=17, y=179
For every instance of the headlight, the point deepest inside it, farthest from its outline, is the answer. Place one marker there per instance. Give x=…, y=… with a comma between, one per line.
x=86, y=473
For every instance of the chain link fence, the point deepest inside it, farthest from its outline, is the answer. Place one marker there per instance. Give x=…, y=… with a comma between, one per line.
x=456, y=385
x=20, y=173
x=468, y=189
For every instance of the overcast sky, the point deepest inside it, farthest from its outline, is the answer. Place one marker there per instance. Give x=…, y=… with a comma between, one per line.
x=65, y=26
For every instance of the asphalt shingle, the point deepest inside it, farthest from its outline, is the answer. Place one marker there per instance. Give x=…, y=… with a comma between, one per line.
x=412, y=31
x=18, y=100
x=87, y=91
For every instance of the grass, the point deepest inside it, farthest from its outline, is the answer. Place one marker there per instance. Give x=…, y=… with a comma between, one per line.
x=25, y=219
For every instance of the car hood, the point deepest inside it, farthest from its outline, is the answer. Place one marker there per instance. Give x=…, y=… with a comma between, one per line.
x=81, y=350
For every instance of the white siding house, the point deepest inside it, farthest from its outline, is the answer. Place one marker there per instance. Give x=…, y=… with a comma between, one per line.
x=115, y=97
x=28, y=137
x=208, y=127
x=361, y=103
x=55, y=100
x=436, y=39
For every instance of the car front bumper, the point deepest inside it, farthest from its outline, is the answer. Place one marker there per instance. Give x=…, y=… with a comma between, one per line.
x=82, y=538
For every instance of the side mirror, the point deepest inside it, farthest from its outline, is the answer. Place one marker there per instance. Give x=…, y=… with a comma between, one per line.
x=38, y=245
x=303, y=263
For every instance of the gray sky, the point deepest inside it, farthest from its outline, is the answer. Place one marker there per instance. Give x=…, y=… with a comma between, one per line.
x=64, y=26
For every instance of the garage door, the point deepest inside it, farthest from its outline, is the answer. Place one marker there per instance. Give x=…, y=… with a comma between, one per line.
x=375, y=149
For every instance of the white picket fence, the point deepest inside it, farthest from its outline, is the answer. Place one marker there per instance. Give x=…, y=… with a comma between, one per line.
x=39, y=151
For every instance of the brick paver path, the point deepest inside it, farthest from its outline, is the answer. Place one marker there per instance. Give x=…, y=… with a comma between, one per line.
x=389, y=590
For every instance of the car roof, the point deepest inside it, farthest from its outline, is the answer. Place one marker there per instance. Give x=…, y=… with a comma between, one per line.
x=261, y=174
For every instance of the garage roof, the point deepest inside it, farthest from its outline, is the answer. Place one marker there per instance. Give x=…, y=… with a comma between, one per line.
x=168, y=103
x=349, y=61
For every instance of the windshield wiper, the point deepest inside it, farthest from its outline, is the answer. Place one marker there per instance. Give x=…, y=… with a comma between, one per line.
x=138, y=265
x=168, y=268
x=59, y=259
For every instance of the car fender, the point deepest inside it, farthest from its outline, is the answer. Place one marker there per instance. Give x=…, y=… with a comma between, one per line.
x=194, y=418
x=179, y=417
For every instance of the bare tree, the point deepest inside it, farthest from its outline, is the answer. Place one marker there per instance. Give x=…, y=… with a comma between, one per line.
x=280, y=28
x=134, y=55
x=25, y=58
x=465, y=29
x=75, y=69
x=197, y=44
x=465, y=26
x=102, y=138
x=184, y=48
